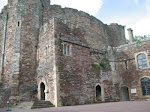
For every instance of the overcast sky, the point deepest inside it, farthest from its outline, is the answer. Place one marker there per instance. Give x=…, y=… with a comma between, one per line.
x=133, y=14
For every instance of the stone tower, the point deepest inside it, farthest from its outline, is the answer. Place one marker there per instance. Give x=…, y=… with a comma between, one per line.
x=22, y=20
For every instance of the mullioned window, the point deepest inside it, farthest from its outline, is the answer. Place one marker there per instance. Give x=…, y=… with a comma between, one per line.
x=67, y=49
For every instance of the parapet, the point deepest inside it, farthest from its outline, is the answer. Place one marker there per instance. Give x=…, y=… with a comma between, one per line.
x=116, y=24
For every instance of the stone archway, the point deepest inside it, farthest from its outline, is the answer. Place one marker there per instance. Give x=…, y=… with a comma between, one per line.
x=42, y=90
x=125, y=94
x=98, y=93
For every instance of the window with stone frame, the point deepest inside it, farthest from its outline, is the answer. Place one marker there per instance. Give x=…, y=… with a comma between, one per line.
x=145, y=85
x=142, y=61
x=67, y=49
x=19, y=24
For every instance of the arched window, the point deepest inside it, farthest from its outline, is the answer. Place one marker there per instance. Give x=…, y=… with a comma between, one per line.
x=142, y=61
x=145, y=84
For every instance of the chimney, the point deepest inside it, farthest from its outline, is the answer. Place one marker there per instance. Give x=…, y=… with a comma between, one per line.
x=130, y=32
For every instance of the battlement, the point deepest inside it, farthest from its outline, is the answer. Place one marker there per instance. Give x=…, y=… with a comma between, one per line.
x=69, y=24
x=43, y=2
x=75, y=11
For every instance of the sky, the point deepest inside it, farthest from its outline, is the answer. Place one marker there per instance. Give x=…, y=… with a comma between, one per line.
x=133, y=14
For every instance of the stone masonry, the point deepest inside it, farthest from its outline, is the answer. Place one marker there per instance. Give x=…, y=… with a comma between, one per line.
x=33, y=40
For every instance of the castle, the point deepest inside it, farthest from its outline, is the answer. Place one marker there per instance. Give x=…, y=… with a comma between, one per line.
x=68, y=57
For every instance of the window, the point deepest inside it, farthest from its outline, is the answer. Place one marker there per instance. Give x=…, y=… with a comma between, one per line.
x=145, y=84
x=142, y=61
x=66, y=49
x=126, y=64
x=18, y=23
x=65, y=52
x=38, y=53
x=47, y=50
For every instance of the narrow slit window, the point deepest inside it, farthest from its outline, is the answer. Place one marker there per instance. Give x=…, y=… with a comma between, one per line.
x=126, y=64
x=38, y=53
x=18, y=23
x=46, y=51
x=65, y=49
x=68, y=50
x=49, y=49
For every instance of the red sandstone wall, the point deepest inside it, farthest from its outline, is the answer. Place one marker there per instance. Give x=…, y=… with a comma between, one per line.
x=9, y=45
x=131, y=77
x=103, y=34
x=45, y=70
x=7, y=70
x=77, y=80
x=76, y=69
x=30, y=24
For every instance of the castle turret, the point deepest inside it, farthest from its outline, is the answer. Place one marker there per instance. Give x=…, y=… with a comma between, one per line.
x=27, y=17
x=20, y=23
x=116, y=34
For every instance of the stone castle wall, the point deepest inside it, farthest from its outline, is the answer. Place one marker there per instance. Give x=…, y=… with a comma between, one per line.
x=29, y=39
x=102, y=33
x=7, y=34
x=7, y=40
x=131, y=77
x=76, y=75
x=46, y=71
x=29, y=31
x=116, y=34
x=21, y=36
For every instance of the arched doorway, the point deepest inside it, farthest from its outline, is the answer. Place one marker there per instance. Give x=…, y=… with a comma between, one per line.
x=125, y=94
x=98, y=93
x=42, y=87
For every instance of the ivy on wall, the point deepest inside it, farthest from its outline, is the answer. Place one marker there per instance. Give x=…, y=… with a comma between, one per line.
x=103, y=64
